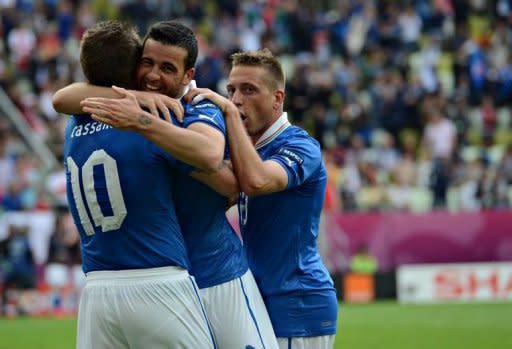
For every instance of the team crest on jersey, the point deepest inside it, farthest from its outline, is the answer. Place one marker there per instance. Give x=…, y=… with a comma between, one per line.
x=290, y=156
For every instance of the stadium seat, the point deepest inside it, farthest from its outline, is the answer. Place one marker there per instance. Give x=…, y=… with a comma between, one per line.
x=370, y=198
x=470, y=153
x=421, y=200
x=503, y=118
x=56, y=275
x=475, y=120
x=502, y=137
x=495, y=154
x=452, y=199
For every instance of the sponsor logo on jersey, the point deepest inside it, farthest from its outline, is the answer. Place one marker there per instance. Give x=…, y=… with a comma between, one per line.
x=291, y=156
x=205, y=105
x=204, y=116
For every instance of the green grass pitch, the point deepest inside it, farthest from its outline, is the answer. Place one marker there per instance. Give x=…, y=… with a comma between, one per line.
x=383, y=325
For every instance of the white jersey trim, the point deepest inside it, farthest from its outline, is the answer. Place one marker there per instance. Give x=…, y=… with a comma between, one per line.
x=273, y=131
x=192, y=84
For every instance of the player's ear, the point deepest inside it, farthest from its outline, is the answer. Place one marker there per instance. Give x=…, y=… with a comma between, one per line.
x=278, y=98
x=189, y=75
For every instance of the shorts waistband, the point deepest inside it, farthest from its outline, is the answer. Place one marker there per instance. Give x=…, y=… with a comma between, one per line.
x=162, y=273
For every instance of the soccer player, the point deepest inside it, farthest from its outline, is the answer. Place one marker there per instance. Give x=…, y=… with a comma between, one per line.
x=283, y=179
x=231, y=297
x=138, y=292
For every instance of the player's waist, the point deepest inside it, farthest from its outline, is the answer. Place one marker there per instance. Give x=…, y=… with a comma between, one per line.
x=128, y=257
x=132, y=275
x=303, y=315
x=281, y=282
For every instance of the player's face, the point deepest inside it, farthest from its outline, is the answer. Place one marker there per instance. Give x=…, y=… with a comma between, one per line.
x=249, y=91
x=162, y=69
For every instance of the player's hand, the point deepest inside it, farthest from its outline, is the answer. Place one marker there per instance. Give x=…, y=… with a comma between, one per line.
x=195, y=95
x=157, y=102
x=124, y=113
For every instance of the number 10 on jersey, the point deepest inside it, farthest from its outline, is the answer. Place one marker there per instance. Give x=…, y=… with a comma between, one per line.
x=84, y=178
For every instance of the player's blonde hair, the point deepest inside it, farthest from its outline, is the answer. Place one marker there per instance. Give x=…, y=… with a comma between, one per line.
x=262, y=58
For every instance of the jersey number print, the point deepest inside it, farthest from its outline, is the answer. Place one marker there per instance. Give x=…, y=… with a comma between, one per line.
x=243, y=205
x=84, y=177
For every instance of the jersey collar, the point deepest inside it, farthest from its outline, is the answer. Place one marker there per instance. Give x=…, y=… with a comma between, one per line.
x=191, y=85
x=273, y=131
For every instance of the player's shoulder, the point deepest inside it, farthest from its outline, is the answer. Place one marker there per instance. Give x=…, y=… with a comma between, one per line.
x=204, y=106
x=205, y=112
x=296, y=136
x=298, y=146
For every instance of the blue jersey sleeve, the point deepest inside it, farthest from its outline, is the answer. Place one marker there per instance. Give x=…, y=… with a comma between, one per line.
x=206, y=112
x=300, y=158
x=179, y=165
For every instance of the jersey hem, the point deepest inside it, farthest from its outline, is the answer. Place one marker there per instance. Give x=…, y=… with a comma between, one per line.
x=215, y=282
x=310, y=333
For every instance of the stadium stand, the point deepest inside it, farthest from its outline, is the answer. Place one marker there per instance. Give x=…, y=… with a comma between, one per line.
x=362, y=78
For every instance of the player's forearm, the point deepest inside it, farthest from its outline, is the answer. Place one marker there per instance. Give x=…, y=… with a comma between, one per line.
x=223, y=180
x=67, y=99
x=185, y=145
x=248, y=166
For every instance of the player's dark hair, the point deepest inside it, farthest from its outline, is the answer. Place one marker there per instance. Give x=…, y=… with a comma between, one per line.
x=265, y=59
x=177, y=34
x=109, y=53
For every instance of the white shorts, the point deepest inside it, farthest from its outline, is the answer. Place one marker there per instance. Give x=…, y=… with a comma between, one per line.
x=238, y=315
x=139, y=309
x=319, y=342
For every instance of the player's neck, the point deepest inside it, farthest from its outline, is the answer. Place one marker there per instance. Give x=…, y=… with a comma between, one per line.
x=274, y=129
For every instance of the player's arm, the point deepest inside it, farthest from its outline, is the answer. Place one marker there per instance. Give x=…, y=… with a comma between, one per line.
x=255, y=176
x=223, y=180
x=67, y=99
x=199, y=145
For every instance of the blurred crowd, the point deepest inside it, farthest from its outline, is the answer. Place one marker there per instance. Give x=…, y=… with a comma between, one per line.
x=409, y=99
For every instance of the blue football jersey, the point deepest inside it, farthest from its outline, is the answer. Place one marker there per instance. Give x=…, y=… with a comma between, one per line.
x=215, y=251
x=119, y=188
x=280, y=233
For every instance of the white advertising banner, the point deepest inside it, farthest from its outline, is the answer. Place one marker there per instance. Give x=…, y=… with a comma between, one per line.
x=430, y=283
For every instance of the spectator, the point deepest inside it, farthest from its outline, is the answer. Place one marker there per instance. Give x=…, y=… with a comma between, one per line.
x=17, y=263
x=439, y=140
x=363, y=262
x=352, y=68
x=7, y=163
x=64, y=251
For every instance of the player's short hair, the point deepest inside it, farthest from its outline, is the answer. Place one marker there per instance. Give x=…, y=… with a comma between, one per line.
x=174, y=33
x=109, y=53
x=262, y=58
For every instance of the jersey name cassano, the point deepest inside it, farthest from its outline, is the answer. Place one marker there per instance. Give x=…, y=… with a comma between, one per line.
x=88, y=129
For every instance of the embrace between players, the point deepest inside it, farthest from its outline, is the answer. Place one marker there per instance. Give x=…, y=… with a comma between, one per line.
x=149, y=192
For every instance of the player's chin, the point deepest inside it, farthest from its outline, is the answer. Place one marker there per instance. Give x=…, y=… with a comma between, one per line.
x=247, y=124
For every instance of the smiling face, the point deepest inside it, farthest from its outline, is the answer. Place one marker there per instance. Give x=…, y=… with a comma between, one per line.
x=259, y=104
x=162, y=69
